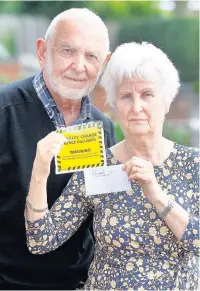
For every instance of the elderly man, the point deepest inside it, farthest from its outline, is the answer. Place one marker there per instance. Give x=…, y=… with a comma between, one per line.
x=72, y=56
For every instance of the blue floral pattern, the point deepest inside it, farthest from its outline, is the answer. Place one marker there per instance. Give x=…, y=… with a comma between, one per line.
x=135, y=249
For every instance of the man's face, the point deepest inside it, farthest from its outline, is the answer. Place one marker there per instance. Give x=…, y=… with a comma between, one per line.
x=74, y=59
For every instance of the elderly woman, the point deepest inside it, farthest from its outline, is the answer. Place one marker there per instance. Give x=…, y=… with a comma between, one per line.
x=146, y=239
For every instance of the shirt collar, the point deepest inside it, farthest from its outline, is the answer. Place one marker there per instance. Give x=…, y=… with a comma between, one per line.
x=49, y=103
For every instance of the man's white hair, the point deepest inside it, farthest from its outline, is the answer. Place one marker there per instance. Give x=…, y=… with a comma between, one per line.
x=79, y=14
x=142, y=61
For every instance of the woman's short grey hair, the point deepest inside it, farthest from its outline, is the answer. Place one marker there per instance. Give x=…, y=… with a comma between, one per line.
x=141, y=61
x=83, y=14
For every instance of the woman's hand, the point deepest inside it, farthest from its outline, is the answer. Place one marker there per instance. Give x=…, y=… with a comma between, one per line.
x=47, y=148
x=142, y=171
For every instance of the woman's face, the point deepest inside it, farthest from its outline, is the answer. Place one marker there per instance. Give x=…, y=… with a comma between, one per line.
x=139, y=107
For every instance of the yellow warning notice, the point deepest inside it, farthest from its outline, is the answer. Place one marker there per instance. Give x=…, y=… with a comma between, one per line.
x=84, y=148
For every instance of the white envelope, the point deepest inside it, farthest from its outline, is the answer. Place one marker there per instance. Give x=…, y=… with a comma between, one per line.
x=103, y=180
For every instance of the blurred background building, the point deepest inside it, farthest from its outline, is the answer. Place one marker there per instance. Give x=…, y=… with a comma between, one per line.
x=171, y=25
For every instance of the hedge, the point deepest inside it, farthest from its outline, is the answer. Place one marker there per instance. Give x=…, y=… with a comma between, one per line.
x=178, y=37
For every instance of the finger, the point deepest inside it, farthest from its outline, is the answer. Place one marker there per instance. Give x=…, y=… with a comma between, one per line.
x=139, y=170
x=123, y=167
x=132, y=165
x=62, y=137
x=140, y=162
x=58, y=137
x=139, y=177
x=126, y=165
x=56, y=148
x=133, y=171
x=143, y=171
x=50, y=139
x=55, y=151
x=133, y=162
x=129, y=169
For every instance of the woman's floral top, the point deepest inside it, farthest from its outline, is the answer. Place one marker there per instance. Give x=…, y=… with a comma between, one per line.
x=135, y=249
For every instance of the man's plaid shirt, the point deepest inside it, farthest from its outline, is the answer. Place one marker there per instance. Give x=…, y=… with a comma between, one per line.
x=51, y=107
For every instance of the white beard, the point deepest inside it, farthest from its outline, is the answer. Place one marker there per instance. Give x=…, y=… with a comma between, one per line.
x=63, y=91
x=73, y=94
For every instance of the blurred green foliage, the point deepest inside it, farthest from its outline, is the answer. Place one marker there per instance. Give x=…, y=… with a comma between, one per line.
x=180, y=135
x=106, y=9
x=196, y=86
x=113, y=10
x=10, y=6
x=119, y=134
x=8, y=40
x=48, y=8
x=178, y=37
